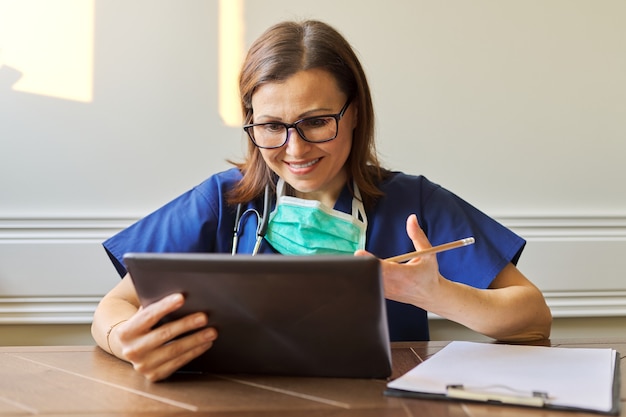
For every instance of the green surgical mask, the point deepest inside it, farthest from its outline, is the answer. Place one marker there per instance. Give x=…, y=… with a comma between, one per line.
x=307, y=227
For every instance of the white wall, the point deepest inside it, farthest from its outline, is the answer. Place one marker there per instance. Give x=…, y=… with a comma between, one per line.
x=517, y=106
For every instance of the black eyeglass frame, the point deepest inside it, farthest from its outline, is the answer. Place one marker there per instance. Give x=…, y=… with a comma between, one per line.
x=336, y=116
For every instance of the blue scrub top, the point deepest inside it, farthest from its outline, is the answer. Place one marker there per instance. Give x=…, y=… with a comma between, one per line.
x=201, y=221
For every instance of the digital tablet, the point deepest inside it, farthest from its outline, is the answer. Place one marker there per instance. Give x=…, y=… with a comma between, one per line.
x=281, y=315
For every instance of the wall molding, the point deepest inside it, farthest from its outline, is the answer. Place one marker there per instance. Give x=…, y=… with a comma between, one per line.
x=51, y=229
x=47, y=310
x=78, y=309
x=599, y=227
x=550, y=226
x=587, y=304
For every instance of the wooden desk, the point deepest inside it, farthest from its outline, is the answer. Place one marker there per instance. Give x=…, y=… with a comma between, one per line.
x=62, y=381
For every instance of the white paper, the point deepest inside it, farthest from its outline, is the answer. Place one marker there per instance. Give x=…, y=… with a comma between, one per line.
x=572, y=377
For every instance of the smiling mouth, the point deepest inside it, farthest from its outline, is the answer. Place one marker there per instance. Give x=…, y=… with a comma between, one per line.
x=304, y=165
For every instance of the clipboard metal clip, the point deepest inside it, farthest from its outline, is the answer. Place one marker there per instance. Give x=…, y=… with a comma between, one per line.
x=495, y=394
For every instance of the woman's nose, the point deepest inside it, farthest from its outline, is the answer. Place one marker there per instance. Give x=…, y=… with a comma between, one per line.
x=295, y=144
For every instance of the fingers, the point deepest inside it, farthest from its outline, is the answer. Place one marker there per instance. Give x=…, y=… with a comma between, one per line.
x=168, y=332
x=171, y=356
x=153, y=313
x=159, y=352
x=416, y=234
x=136, y=336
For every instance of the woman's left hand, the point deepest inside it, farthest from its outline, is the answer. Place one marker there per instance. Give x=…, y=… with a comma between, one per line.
x=413, y=281
x=487, y=311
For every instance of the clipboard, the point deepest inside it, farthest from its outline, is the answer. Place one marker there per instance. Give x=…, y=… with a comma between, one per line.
x=574, y=379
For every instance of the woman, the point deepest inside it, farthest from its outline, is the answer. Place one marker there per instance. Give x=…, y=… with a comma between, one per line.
x=309, y=117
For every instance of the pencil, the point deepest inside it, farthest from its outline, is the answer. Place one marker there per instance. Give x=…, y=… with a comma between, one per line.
x=434, y=249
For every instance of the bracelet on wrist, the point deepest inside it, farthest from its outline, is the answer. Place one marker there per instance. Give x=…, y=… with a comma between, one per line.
x=109, y=334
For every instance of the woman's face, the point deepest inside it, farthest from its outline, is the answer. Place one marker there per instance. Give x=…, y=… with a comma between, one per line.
x=315, y=170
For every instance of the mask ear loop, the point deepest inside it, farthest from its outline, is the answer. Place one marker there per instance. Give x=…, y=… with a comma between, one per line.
x=280, y=189
x=358, y=210
x=280, y=192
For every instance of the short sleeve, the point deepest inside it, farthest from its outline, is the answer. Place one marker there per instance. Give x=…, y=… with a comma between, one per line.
x=444, y=217
x=197, y=221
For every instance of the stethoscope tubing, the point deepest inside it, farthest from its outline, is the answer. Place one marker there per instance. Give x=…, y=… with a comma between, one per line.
x=262, y=222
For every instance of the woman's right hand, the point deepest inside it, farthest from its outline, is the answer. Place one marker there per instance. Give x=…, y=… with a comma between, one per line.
x=157, y=353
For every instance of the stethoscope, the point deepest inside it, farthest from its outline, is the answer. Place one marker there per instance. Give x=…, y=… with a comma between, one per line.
x=262, y=222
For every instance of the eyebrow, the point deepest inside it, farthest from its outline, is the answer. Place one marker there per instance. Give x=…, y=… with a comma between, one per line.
x=310, y=113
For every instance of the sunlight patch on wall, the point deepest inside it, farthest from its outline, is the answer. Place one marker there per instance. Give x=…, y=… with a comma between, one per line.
x=231, y=53
x=51, y=44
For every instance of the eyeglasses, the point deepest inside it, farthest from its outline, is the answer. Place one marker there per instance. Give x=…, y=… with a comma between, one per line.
x=316, y=129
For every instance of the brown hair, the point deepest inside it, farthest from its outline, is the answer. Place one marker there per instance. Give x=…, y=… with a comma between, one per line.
x=280, y=52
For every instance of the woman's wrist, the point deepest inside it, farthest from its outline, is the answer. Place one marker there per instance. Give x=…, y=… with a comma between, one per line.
x=108, y=335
